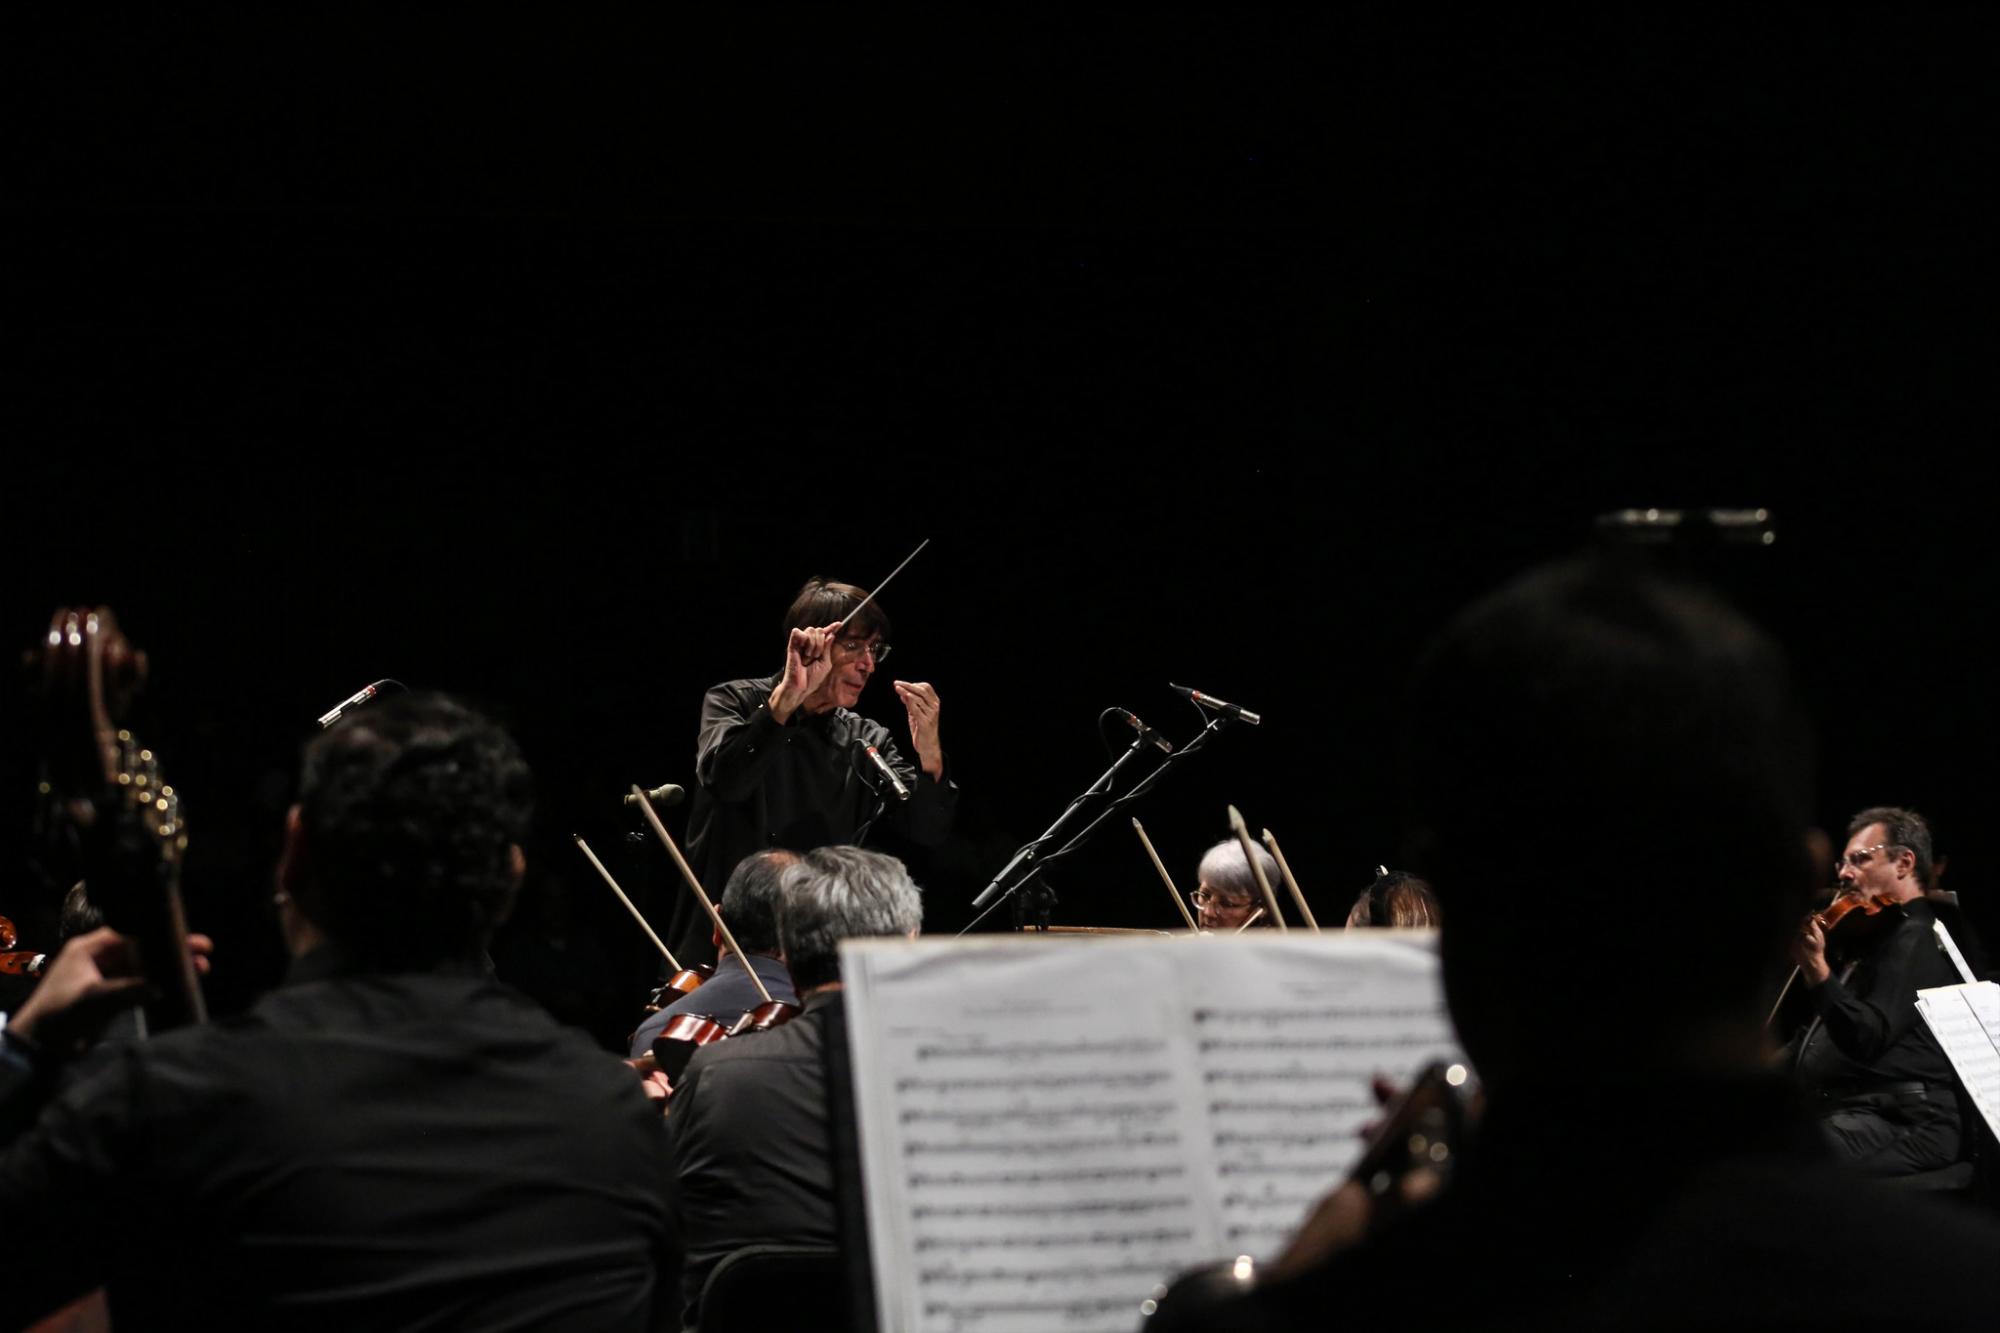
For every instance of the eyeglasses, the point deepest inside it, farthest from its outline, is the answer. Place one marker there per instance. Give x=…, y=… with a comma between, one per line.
x=852, y=648
x=1203, y=897
x=1858, y=857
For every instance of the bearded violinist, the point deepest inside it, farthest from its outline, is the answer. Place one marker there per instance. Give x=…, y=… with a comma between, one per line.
x=1880, y=1083
x=782, y=760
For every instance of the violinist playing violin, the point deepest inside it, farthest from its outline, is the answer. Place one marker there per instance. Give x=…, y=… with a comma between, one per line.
x=1636, y=1165
x=750, y=906
x=751, y=1135
x=782, y=760
x=1881, y=1086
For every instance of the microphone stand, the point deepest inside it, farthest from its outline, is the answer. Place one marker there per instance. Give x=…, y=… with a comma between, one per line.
x=1031, y=856
x=874, y=785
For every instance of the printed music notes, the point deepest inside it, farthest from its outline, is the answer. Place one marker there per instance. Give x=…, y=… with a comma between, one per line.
x=1049, y=1131
x=1966, y=1022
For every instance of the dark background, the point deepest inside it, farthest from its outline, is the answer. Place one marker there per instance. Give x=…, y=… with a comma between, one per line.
x=541, y=362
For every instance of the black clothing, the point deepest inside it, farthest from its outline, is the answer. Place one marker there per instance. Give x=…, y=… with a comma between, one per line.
x=799, y=786
x=1687, y=1205
x=724, y=997
x=1880, y=1082
x=751, y=1153
x=379, y=1151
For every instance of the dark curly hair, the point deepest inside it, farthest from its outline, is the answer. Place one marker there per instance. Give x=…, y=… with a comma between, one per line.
x=410, y=812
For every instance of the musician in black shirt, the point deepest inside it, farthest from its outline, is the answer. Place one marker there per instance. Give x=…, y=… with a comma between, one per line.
x=1885, y=1094
x=391, y=1139
x=752, y=1141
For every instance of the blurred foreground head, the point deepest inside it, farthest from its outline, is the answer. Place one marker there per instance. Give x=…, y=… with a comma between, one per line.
x=1610, y=785
x=410, y=819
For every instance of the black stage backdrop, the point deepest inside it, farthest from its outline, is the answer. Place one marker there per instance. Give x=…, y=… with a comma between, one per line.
x=541, y=364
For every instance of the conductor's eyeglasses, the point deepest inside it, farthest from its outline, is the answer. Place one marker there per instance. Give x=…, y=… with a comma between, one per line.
x=849, y=647
x=1203, y=896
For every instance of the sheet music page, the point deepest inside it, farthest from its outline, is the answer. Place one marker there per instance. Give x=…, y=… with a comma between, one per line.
x=1052, y=1128
x=1287, y=1050
x=1966, y=1022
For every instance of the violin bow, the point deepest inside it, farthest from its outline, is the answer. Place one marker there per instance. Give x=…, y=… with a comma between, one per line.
x=1165, y=878
x=1242, y=832
x=1285, y=870
x=842, y=623
x=1250, y=921
x=630, y=906
x=687, y=873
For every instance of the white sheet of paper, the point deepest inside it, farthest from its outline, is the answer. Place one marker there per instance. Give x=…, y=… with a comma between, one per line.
x=1052, y=1128
x=1966, y=1022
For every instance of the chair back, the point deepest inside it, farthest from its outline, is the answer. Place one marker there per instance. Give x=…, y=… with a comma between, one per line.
x=765, y=1287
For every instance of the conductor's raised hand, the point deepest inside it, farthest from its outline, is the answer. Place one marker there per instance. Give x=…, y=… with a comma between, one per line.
x=920, y=701
x=808, y=662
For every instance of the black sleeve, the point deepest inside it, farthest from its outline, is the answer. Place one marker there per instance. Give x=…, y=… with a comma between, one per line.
x=26, y=1079
x=61, y=1193
x=738, y=738
x=1866, y=1019
x=683, y=1113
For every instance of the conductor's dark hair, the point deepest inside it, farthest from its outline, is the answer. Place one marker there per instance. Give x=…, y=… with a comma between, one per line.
x=822, y=601
x=750, y=899
x=410, y=814
x=1639, y=738
x=1900, y=828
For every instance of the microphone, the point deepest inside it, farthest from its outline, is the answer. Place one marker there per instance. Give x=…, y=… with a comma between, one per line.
x=902, y=792
x=360, y=696
x=1146, y=733
x=664, y=794
x=1222, y=706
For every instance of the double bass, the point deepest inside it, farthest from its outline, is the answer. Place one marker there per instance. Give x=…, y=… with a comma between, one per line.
x=15, y=962
x=125, y=820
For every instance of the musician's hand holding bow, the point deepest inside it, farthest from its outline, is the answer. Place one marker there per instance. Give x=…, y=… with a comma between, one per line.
x=90, y=979
x=808, y=662
x=653, y=1080
x=1808, y=949
x=920, y=700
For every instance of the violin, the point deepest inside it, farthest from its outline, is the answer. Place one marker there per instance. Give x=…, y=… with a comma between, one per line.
x=1852, y=916
x=685, y=980
x=684, y=1033
x=1865, y=914
x=23, y=963
x=17, y=962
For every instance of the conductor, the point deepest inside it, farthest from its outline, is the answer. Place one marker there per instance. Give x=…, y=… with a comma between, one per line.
x=784, y=761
